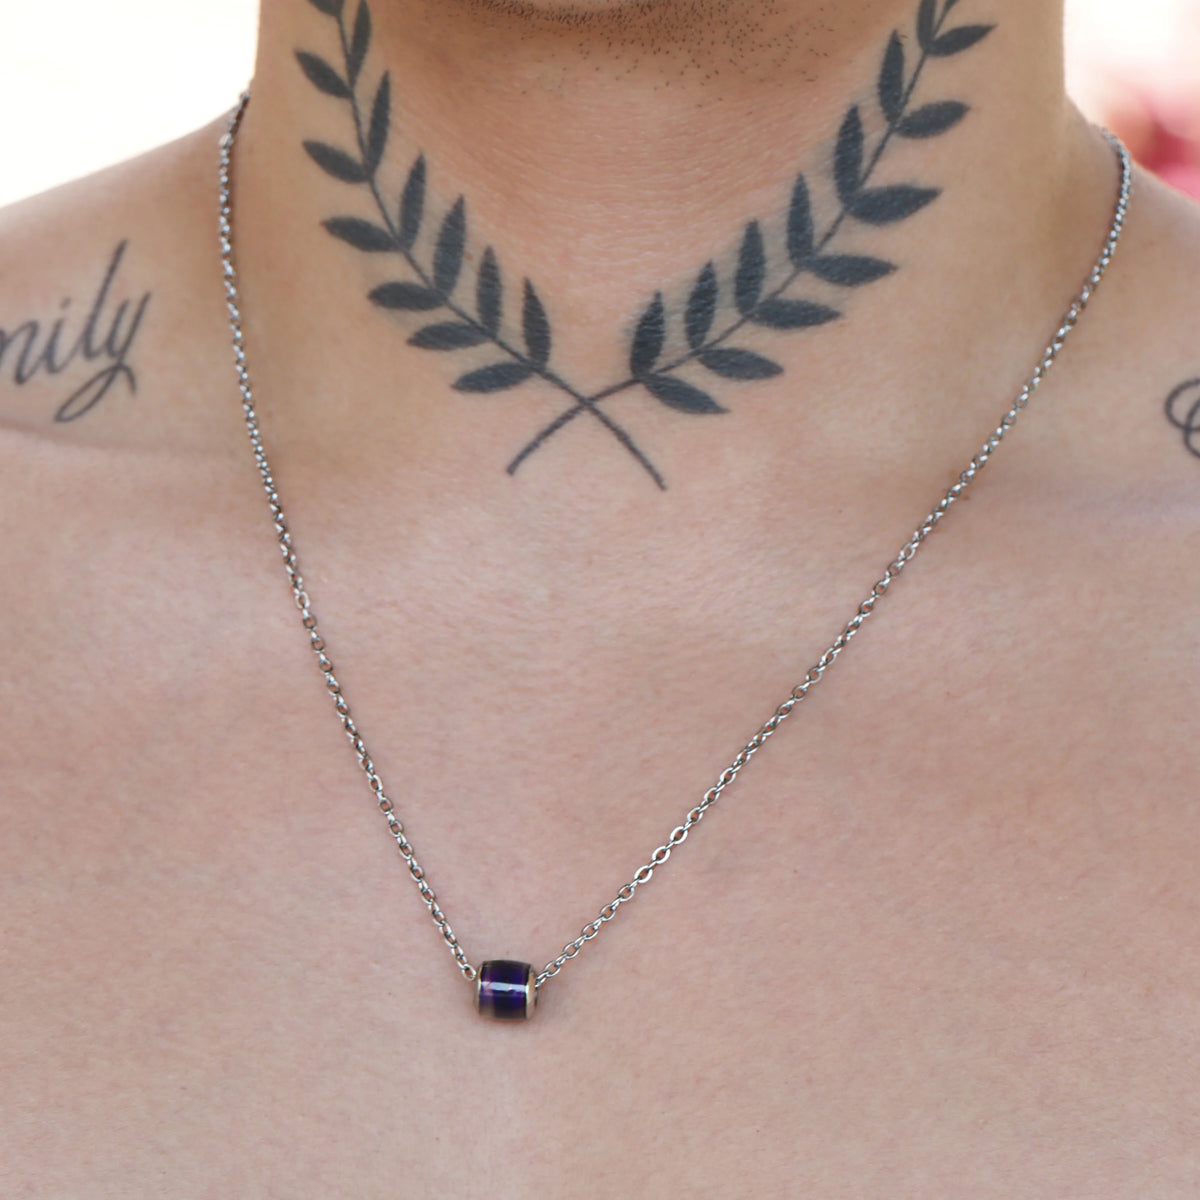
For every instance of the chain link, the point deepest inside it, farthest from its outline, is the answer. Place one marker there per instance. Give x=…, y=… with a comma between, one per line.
x=815, y=674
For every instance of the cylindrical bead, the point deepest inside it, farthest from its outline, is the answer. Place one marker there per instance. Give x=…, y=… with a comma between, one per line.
x=506, y=990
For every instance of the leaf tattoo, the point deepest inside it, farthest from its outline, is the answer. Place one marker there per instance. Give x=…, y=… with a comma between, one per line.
x=412, y=205
x=489, y=295
x=536, y=327
x=679, y=395
x=702, y=308
x=448, y=335
x=891, y=80
x=759, y=294
x=325, y=78
x=751, y=271
x=649, y=338
x=800, y=232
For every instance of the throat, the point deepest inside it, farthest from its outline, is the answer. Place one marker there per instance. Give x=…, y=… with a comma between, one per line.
x=661, y=254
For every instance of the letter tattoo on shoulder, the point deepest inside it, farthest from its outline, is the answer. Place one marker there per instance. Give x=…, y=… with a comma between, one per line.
x=1183, y=411
x=785, y=279
x=106, y=336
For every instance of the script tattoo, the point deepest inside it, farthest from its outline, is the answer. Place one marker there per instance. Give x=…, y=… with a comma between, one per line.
x=105, y=337
x=666, y=365
x=1183, y=411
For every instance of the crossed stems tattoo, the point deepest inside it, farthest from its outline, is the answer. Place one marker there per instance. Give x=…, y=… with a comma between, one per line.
x=434, y=288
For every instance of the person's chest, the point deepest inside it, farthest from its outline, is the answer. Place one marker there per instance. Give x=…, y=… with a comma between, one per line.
x=938, y=940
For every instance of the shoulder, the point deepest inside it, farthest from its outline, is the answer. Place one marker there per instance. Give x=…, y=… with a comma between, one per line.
x=1131, y=415
x=106, y=286
x=1163, y=274
x=1160, y=281
x=1165, y=313
x=113, y=366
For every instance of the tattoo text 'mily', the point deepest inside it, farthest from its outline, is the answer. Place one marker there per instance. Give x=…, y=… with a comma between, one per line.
x=107, y=336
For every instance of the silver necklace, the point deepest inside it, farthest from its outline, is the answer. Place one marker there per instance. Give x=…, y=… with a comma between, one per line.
x=503, y=988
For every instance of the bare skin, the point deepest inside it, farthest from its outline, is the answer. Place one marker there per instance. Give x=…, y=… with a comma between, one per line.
x=938, y=941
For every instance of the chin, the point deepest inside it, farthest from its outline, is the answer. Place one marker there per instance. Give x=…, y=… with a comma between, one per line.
x=568, y=11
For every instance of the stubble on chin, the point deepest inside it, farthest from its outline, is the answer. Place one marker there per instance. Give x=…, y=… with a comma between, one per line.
x=714, y=35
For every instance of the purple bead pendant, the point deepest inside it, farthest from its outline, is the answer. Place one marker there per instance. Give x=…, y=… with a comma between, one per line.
x=506, y=990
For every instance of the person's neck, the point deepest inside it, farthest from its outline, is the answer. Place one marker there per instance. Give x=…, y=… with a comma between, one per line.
x=607, y=155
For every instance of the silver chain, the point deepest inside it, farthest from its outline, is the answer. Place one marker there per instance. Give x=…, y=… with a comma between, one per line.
x=679, y=834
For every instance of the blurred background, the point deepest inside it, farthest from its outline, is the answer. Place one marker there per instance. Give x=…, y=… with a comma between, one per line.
x=1134, y=65
x=84, y=84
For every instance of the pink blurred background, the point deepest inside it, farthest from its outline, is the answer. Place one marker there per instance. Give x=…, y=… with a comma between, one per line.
x=84, y=84
x=1135, y=67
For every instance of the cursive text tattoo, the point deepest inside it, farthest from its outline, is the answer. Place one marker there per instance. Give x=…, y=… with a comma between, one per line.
x=1183, y=411
x=36, y=347
x=671, y=366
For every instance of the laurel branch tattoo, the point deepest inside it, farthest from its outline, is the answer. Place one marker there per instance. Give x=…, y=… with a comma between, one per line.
x=763, y=294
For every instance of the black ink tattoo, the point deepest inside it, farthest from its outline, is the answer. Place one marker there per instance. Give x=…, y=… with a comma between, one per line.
x=1183, y=411
x=761, y=293
x=46, y=355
